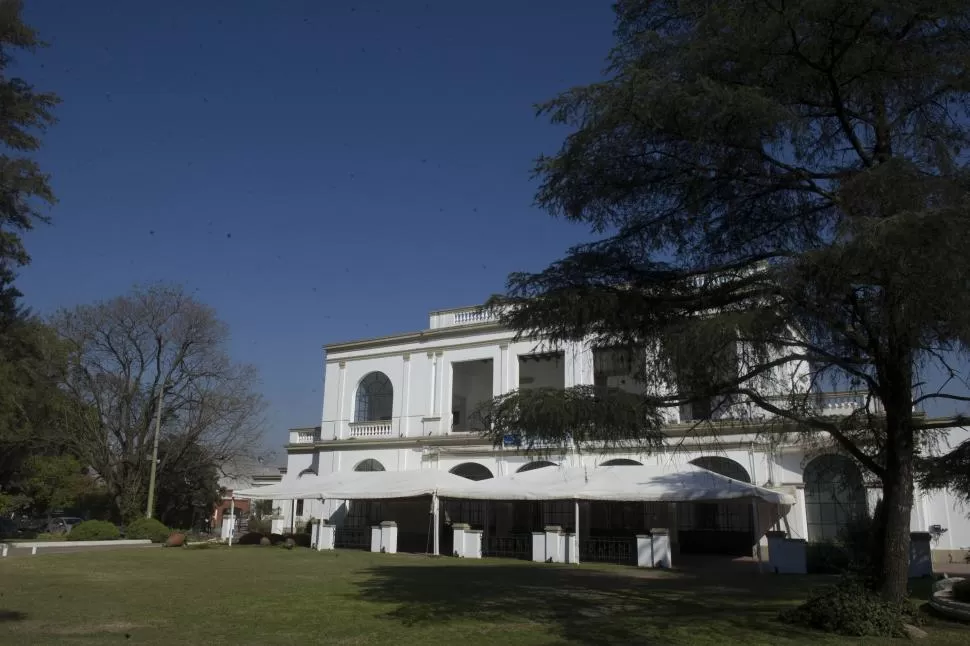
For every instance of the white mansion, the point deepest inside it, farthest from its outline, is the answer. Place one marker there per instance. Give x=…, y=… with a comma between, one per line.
x=403, y=402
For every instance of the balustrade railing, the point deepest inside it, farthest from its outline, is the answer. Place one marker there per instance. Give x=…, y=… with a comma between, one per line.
x=463, y=316
x=370, y=429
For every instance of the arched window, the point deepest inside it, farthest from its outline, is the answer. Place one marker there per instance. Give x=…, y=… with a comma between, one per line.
x=472, y=471
x=306, y=473
x=369, y=464
x=723, y=466
x=622, y=462
x=835, y=496
x=375, y=398
x=538, y=464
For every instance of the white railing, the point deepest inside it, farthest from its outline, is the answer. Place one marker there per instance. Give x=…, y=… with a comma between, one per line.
x=370, y=429
x=824, y=403
x=303, y=437
x=462, y=316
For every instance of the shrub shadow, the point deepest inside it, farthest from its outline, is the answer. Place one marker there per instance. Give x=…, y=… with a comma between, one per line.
x=12, y=615
x=582, y=605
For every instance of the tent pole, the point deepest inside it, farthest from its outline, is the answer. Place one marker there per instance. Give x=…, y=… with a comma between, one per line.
x=576, y=526
x=757, y=534
x=232, y=518
x=434, y=517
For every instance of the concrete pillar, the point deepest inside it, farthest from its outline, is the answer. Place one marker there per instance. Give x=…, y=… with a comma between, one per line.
x=539, y=547
x=327, y=537
x=555, y=544
x=467, y=542
x=787, y=555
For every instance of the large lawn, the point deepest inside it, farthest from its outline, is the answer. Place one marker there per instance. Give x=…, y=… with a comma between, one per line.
x=273, y=596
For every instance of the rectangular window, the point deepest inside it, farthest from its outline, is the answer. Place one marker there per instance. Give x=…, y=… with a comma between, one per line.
x=299, y=507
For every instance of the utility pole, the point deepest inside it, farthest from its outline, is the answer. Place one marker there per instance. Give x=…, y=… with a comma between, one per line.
x=151, y=479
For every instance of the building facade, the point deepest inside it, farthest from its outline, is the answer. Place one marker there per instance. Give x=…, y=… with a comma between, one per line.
x=406, y=402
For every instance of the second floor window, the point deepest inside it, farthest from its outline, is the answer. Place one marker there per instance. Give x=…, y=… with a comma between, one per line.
x=375, y=398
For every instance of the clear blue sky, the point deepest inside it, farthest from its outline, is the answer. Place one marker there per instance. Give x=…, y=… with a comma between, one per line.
x=370, y=161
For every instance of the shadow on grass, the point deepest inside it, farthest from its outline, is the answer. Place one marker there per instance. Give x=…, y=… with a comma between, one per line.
x=12, y=615
x=584, y=605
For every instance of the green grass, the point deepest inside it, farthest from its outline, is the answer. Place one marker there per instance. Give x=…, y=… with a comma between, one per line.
x=273, y=596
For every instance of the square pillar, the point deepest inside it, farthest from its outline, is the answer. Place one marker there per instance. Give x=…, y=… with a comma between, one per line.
x=226, y=527
x=555, y=544
x=327, y=536
x=539, y=547
x=920, y=555
x=653, y=549
x=572, y=548
x=458, y=538
x=787, y=555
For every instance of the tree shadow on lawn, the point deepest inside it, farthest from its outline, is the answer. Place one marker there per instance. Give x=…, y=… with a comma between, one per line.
x=584, y=605
x=12, y=615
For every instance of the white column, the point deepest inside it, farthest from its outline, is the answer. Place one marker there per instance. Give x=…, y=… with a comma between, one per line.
x=434, y=520
x=341, y=396
x=574, y=547
x=433, y=395
x=404, y=422
x=232, y=516
x=503, y=368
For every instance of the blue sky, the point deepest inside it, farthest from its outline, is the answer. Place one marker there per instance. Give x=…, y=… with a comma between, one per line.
x=317, y=171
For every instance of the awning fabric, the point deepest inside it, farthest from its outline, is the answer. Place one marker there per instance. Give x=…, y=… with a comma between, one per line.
x=359, y=485
x=683, y=483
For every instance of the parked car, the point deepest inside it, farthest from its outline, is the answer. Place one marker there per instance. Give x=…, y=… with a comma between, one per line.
x=62, y=525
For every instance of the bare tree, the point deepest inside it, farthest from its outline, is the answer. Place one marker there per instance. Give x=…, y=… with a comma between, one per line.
x=123, y=351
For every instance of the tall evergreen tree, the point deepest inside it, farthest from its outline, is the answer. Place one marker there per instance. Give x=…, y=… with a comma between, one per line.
x=29, y=353
x=24, y=188
x=781, y=192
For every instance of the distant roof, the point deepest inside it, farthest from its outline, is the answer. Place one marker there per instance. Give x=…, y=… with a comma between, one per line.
x=242, y=472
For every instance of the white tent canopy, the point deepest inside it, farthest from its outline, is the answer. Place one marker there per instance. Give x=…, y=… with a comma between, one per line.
x=685, y=483
x=359, y=485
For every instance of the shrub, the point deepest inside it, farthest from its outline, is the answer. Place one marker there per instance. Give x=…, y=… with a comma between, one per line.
x=265, y=542
x=303, y=540
x=961, y=591
x=250, y=538
x=150, y=528
x=849, y=608
x=94, y=530
x=261, y=525
x=276, y=539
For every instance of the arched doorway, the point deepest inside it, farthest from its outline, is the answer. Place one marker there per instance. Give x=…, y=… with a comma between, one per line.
x=622, y=462
x=538, y=464
x=718, y=527
x=835, y=497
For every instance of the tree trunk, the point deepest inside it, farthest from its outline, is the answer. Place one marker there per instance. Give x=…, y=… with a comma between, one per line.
x=892, y=575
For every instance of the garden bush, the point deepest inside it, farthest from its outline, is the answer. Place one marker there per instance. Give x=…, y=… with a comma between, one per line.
x=261, y=525
x=961, y=591
x=849, y=608
x=302, y=540
x=276, y=539
x=150, y=528
x=94, y=530
x=250, y=538
x=265, y=542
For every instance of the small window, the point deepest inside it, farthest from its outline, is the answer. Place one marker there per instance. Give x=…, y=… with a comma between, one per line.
x=299, y=507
